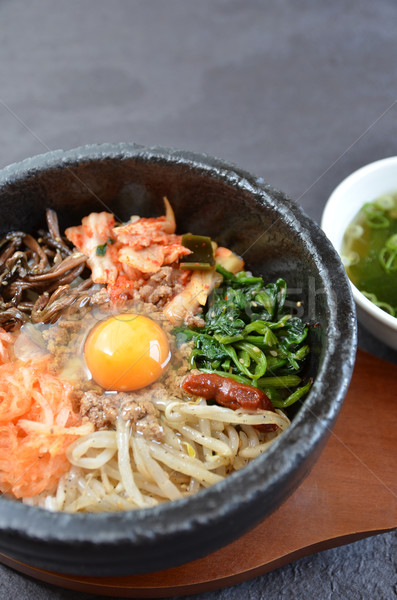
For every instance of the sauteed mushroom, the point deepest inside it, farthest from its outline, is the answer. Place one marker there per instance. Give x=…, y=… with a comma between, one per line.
x=36, y=275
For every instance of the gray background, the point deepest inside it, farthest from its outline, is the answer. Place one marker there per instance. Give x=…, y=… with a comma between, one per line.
x=301, y=93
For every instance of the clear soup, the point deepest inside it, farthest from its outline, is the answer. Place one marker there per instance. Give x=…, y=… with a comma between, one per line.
x=369, y=252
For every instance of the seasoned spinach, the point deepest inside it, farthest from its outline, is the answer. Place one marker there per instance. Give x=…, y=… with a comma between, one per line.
x=249, y=336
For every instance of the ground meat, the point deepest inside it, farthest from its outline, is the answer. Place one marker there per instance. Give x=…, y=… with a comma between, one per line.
x=100, y=409
x=143, y=415
x=160, y=287
x=61, y=342
x=172, y=382
x=103, y=409
x=194, y=320
x=101, y=297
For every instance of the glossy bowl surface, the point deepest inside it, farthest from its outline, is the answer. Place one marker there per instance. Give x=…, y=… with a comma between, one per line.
x=276, y=239
x=364, y=185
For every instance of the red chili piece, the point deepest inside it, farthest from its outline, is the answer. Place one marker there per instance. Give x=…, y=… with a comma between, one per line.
x=229, y=393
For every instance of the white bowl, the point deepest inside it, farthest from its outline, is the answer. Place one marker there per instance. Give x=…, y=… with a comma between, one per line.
x=364, y=185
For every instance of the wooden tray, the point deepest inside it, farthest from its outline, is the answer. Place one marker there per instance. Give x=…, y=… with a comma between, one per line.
x=351, y=493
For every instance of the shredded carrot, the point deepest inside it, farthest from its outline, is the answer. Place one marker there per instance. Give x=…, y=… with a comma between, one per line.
x=36, y=414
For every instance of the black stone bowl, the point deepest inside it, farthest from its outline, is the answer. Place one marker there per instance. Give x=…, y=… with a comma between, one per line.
x=276, y=239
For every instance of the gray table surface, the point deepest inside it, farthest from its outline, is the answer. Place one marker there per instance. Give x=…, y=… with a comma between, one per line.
x=301, y=93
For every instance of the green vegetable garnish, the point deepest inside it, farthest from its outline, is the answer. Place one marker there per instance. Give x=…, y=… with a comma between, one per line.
x=250, y=337
x=370, y=252
x=202, y=255
x=101, y=250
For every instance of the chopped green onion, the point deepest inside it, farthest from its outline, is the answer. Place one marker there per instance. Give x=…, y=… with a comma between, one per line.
x=385, y=202
x=101, y=249
x=388, y=259
x=383, y=305
x=377, y=220
x=391, y=242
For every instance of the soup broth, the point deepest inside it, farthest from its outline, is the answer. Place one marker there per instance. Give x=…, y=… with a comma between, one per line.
x=369, y=252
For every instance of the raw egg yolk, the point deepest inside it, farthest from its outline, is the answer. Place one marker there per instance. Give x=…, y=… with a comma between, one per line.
x=126, y=352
